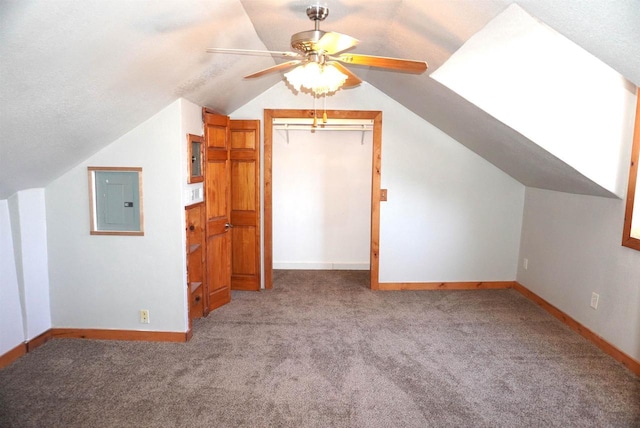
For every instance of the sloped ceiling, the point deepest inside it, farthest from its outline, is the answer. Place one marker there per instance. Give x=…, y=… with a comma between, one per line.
x=77, y=74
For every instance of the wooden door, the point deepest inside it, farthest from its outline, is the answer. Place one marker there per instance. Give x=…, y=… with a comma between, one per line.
x=218, y=210
x=245, y=204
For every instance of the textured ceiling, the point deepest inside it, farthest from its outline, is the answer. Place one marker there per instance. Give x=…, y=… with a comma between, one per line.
x=77, y=74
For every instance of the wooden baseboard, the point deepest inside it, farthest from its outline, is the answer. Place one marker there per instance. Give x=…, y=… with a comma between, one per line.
x=135, y=335
x=158, y=336
x=38, y=341
x=605, y=346
x=24, y=348
x=12, y=355
x=96, y=334
x=416, y=286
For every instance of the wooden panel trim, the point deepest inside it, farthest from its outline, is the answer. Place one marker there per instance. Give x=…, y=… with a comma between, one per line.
x=627, y=240
x=116, y=168
x=471, y=285
x=24, y=348
x=245, y=283
x=132, y=335
x=98, y=334
x=376, y=179
x=38, y=341
x=243, y=155
x=92, y=223
x=601, y=343
x=210, y=117
x=191, y=138
x=94, y=232
x=214, y=154
x=245, y=218
x=9, y=357
x=267, y=232
x=629, y=362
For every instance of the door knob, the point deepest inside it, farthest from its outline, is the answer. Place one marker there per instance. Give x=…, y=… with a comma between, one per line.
x=228, y=226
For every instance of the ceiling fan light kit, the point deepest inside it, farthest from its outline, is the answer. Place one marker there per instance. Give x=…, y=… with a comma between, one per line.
x=318, y=59
x=319, y=79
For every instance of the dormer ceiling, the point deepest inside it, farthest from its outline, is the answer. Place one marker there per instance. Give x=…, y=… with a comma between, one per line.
x=76, y=75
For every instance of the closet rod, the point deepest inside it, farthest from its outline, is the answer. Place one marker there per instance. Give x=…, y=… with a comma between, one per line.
x=309, y=127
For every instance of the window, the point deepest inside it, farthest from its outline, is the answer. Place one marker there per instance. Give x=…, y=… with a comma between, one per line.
x=631, y=234
x=116, y=200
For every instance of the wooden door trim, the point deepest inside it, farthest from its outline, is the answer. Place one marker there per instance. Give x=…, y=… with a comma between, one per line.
x=376, y=167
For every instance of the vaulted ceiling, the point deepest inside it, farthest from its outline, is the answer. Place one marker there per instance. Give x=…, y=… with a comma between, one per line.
x=77, y=74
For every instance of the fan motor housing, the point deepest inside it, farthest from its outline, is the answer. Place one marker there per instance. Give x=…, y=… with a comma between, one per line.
x=305, y=41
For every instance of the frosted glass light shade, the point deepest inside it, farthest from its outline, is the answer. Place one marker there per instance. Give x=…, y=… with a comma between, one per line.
x=319, y=79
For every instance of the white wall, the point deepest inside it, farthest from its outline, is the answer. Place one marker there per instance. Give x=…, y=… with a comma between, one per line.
x=103, y=281
x=321, y=199
x=451, y=216
x=572, y=243
x=29, y=233
x=11, y=321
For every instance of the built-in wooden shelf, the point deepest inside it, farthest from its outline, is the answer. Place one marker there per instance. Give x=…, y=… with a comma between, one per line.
x=195, y=259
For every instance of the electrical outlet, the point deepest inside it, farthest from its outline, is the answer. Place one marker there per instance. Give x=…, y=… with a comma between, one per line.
x=525, y=264
x=144, y=316
x=594, y=300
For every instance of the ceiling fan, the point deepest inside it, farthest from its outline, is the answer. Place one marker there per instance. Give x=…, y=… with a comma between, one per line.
x=319, y=58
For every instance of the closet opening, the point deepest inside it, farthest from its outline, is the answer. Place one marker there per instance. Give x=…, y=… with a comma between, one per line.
x=322, y=191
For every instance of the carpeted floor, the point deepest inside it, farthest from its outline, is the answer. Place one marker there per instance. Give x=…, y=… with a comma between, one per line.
x=322, y=350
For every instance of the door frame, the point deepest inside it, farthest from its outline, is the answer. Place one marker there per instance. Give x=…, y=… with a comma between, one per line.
x=376, y=164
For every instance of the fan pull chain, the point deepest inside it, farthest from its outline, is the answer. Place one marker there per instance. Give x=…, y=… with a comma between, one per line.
x=315, y=112
x=324, y=107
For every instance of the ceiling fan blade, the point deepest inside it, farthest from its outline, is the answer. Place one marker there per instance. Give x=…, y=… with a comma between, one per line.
x=408, y=65
x=333, y=43
x=278, y=67
x=352, y=79
x=277, y=54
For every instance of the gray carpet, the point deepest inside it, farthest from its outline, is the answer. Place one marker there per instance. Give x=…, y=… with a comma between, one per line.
x=322, y=350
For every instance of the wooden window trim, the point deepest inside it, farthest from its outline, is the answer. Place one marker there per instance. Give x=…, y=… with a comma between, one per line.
x=627, y=239
x=92, y=201
x=191, y=138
